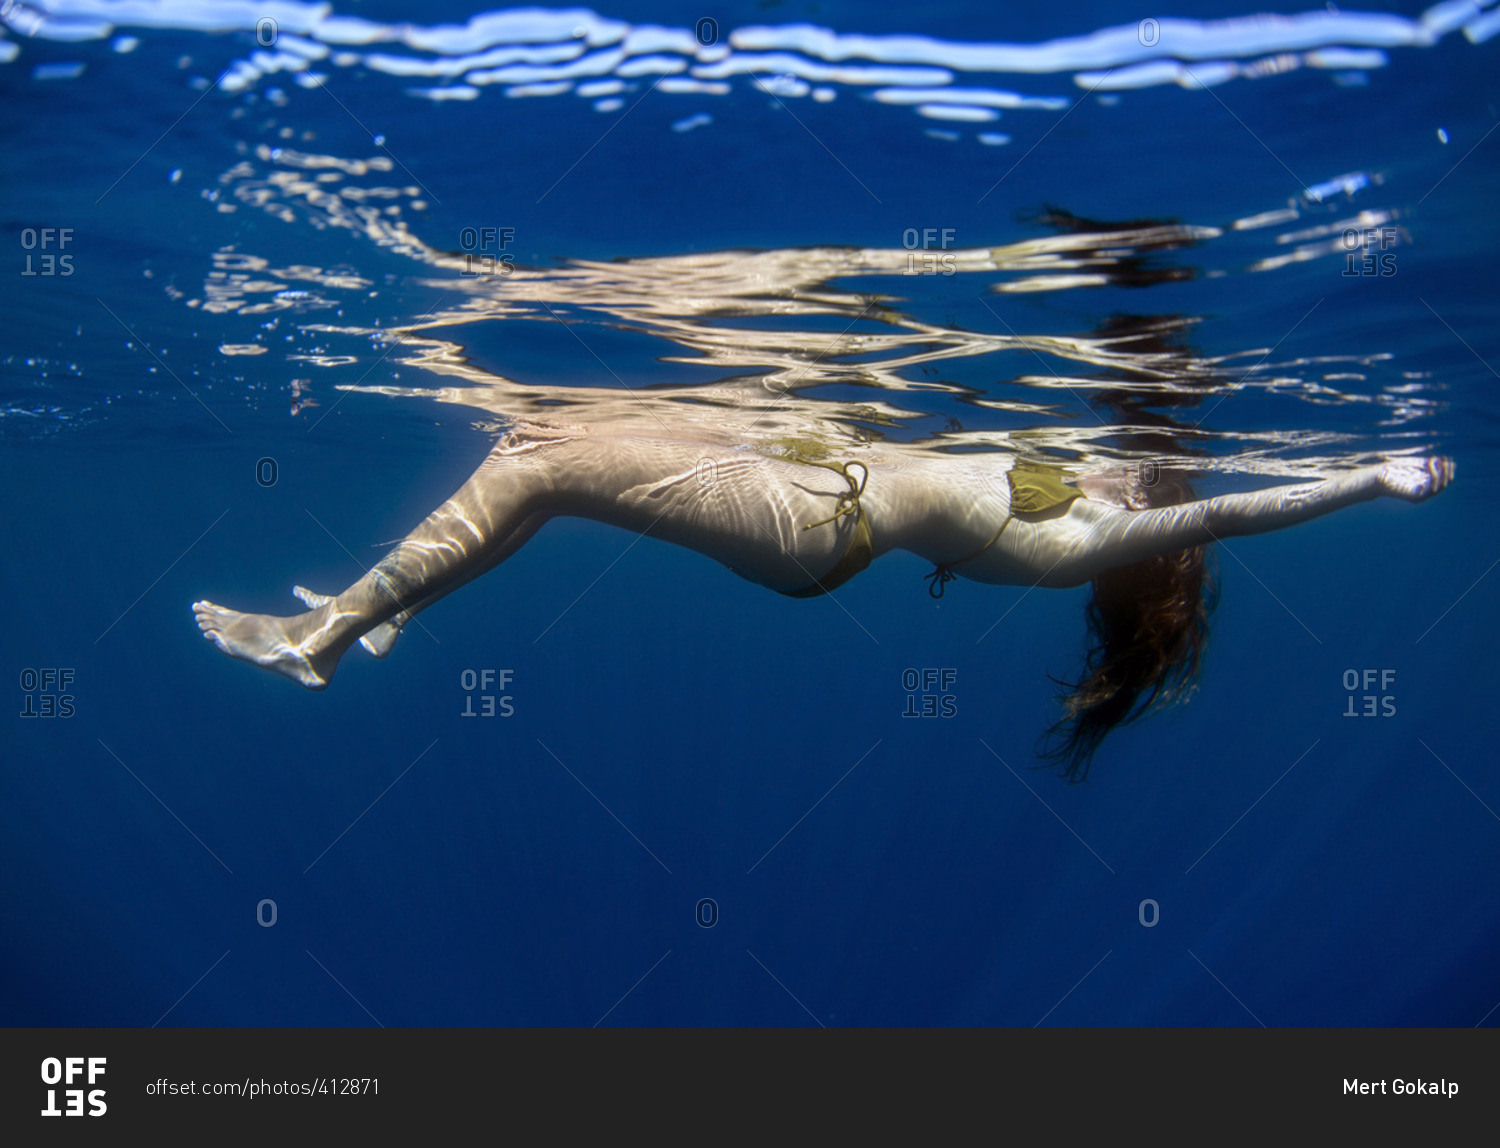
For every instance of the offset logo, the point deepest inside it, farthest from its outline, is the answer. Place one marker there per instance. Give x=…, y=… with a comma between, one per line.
x=1386, y=701
x=487, y=251
x=46, y=692
x=491, y=704
x=929, y=692
x=44, y=247
x=71, y=1070
x=927, y=251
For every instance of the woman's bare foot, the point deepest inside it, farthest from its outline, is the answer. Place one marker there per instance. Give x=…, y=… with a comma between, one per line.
x=289, y=646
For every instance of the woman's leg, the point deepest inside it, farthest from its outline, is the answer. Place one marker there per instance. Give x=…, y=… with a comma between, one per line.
x=766, y=519
x=378, y=641
x=486, y=521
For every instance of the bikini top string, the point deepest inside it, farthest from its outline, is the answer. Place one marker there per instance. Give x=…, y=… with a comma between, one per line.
x=942, y=573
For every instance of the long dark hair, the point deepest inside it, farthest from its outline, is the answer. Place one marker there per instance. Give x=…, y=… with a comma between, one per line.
x=1147, y=622
x=1147, y=625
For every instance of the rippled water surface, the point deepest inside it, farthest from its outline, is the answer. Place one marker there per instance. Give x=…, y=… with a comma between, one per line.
x=279, y=274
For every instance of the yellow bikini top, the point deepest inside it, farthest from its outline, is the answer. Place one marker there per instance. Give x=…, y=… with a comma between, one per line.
x=1037, y=490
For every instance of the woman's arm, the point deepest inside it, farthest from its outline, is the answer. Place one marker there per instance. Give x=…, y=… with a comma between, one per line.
x=1093, y=535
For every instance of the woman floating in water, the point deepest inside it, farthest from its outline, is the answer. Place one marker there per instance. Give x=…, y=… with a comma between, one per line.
x=802, y=522
x=799, y=492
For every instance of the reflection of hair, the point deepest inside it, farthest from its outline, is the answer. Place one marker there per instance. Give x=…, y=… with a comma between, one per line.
x=1148, y=624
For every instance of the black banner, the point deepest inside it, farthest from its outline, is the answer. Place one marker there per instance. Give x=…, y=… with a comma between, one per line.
x=62, y=1084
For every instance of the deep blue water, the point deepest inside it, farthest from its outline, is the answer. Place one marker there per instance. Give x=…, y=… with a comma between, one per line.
x=1303, y=868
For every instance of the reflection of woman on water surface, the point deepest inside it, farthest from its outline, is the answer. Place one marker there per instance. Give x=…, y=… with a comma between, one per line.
x=803, y=521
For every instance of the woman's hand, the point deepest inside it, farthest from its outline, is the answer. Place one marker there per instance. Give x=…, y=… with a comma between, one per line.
x=1415, y=479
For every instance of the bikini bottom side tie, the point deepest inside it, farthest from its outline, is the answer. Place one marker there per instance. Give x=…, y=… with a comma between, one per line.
x=861, y=546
